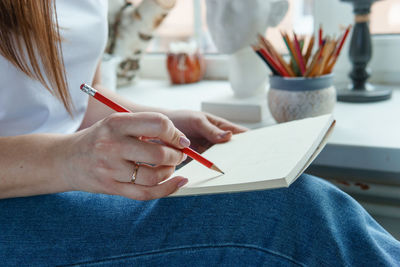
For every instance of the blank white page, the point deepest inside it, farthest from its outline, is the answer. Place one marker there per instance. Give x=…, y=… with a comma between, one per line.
x=257, y=159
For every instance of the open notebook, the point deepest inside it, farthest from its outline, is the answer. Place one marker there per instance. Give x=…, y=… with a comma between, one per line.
x=265, y=158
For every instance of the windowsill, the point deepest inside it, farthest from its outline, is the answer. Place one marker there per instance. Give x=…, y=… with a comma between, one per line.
x=384, y=65
x=153, y=66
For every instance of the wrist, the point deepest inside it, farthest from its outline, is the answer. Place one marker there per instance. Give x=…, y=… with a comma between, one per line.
x=58, y=151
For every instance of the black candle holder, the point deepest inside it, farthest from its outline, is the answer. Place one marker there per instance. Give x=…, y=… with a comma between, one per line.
x=360, y=54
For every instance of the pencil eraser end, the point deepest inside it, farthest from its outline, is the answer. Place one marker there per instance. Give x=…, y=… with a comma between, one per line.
x=82, y=85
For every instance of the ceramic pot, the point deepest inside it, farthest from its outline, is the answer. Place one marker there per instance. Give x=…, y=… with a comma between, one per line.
x=298, y=98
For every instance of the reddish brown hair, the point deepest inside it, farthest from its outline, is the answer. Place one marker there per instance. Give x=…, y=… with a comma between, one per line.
x=30, y=40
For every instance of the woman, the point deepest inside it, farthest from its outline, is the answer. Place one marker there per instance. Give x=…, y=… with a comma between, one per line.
x=66, y=165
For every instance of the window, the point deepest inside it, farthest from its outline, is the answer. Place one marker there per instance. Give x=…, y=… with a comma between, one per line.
x=299, y=18
x=187, y=20
x=385, y=57
x=385, y=17
x=303, y=16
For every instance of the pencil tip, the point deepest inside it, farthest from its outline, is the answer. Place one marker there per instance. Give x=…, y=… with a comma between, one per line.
x=215, y=168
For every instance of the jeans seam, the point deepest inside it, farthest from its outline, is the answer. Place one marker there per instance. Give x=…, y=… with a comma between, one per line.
x=172, y=249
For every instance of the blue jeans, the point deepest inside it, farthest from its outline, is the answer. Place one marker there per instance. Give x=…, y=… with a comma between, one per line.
x=312, y=223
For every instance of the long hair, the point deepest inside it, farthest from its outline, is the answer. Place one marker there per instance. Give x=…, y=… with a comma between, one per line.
x=30, y=40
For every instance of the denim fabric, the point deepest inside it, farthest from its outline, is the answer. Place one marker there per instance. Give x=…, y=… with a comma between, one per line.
x=312, y=223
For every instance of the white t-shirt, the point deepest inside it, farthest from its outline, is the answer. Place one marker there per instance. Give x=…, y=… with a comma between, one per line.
x=25, y=105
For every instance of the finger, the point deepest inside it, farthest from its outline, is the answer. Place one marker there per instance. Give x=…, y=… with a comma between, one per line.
x=226, y=125
x=142, y=192
x=148, y=175
x=149, y=124
x=132, y=149
x=212, y=132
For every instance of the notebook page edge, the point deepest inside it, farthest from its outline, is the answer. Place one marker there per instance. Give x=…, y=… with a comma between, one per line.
x=314, y=151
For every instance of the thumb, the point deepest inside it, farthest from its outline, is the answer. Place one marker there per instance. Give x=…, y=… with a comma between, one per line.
x=212, y=133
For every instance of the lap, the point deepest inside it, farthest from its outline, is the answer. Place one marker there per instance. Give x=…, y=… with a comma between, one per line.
x=312, y=222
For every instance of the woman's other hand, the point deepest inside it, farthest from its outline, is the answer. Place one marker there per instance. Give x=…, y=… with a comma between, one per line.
x=102, y=158
x=201, y=125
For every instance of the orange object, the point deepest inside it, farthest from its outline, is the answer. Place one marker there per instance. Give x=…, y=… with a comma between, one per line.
x=184, y=68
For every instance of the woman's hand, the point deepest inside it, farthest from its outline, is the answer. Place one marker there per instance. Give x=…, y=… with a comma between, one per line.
x=102, y=157
x=200, y=125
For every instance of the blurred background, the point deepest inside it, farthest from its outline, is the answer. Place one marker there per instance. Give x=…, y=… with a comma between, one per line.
x=187, y=21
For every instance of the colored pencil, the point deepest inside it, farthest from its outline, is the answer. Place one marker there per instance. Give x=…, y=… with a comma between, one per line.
x=309, y=50
x=313, y=63
x=299, y=55
x=272, y=61
x=338, y=50
x=320, y=36
x=303, y=61
x=328, y=52
x=108, y=102
x=273, y=70
x=302, y=43
x=267, y=45
x=292, y=53
x=342, y=41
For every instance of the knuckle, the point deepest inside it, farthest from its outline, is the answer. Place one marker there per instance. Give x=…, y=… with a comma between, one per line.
x=114, y=120
x=105, y=145
x=197, y=121
x=160, y=155
x=109, y=120
x=172, y=157
x=179, y=157
x=163, y=122
x=176, y=137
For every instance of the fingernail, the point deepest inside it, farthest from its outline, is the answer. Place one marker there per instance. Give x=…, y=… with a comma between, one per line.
x=184, y=157
x=223, y=135
x=183, y=182
x=184, y=141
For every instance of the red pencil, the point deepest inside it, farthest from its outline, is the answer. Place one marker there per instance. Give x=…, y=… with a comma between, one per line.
x=188, y=151
x=273, y=63
x=320, y=41
x=342, y=41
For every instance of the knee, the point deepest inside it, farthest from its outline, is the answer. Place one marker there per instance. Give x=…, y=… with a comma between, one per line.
x=311, y=188
x=321, y=198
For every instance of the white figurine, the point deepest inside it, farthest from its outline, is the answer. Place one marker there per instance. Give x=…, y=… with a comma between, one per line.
x=234, y=25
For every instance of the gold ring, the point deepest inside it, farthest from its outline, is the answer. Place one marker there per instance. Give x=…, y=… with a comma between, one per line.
x=135, y=171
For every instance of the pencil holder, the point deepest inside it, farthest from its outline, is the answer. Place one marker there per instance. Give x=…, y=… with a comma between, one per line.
x=298, y=98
